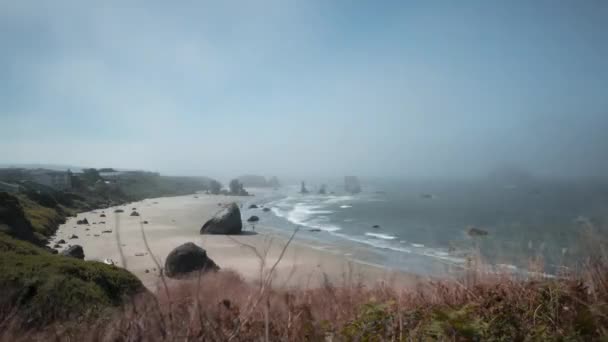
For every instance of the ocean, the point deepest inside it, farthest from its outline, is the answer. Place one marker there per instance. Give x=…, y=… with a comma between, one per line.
x=422, y=227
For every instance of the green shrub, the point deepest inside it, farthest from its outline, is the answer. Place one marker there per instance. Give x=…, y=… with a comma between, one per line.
x=43, y=287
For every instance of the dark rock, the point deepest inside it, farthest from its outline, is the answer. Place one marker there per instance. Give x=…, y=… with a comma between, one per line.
x=102, y=215
x=226, y=221
x=266, y=210
x=57, y=246
x=253, y=206
x=54, y=251
x=119, y=211
x=145, y=222
x=476, y=232
x=83, y=221
x=74, y=236
x=314, y=230
x=376, y=226
x=147, y=271
x=62, y=241
x=106, y=231
x=253, y=219
x=75, y=251
x=135, y=213
x=102, y=222
x=188, y=258
x=133, y=209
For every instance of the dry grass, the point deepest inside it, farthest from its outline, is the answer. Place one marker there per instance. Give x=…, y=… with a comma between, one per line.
x=481, y=306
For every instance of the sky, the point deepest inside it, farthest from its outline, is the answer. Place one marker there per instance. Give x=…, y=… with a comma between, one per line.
x=401, y=89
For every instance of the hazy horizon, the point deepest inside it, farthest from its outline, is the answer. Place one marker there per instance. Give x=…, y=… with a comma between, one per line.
x=307, y=89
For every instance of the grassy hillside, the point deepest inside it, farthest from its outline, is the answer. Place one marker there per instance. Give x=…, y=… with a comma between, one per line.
x=39, y=287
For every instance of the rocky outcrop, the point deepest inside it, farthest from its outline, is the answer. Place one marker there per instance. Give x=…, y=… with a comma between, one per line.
x=253, y=219
x=266, y=210
x=135, y=213
x=303, y=189
x=226, y=221
x=188, y=258
x=75, y=251
x=12, y=219
x=83, y=221
x=351, y=184
x=253, y=206
x=472, y=231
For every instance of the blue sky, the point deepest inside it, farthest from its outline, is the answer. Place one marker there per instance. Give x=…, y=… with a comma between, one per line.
x=307, y=88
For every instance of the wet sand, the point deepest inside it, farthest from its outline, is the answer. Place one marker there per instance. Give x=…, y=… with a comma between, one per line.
x=173, y=221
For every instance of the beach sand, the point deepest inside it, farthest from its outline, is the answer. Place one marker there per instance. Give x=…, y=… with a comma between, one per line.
x=173, y=221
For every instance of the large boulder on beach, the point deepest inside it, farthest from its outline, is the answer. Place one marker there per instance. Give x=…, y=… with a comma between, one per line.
x=75, y=251
x=188, y=258
x=226, y=221
x=83, y=221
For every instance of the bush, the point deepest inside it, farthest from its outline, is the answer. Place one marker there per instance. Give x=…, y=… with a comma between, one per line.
x=41, y=287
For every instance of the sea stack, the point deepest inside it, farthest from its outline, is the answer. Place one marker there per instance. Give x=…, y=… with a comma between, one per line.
x=351, y=184
x=303, y=189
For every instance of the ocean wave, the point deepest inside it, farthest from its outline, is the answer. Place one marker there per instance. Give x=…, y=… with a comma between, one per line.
x=306, y=215
x=381, y=236
x=346, y=206
x=418, y=245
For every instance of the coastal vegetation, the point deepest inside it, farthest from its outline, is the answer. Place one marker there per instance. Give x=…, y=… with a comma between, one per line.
x=221, y=306
x=48, y=296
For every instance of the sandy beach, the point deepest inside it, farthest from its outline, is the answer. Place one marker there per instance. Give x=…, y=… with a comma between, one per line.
x=172, y=221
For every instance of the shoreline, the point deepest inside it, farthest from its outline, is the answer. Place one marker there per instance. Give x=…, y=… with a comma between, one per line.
x=173, y=221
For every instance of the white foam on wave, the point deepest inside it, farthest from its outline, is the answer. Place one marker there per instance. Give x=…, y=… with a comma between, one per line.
x=303, y=214
x=438, y=254
x=381, y=236
x=346, y=206
x=338, y=199
x=418, y=245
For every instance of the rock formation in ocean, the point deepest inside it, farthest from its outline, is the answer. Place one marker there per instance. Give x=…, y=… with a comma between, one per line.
x=472, y=231
x=323, y=190
x=75, y=251
x=253, y=206
x=188, y=258
x=226, y=221
x=135, y=213
x=253, y=219
x=274, y=182
x=351, y=185
x=303, y=189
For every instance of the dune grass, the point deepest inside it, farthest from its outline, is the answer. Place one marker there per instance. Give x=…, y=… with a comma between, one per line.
x=483, y=307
